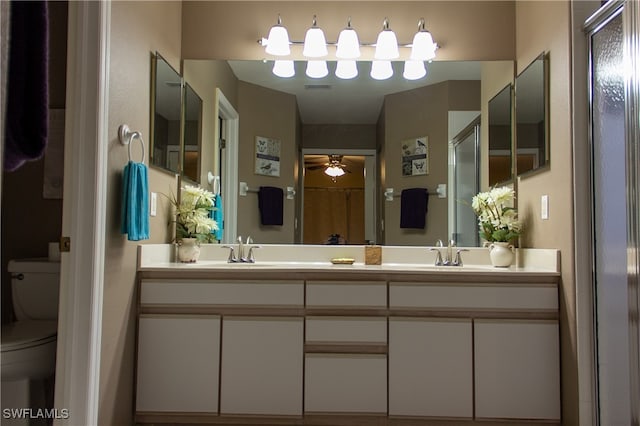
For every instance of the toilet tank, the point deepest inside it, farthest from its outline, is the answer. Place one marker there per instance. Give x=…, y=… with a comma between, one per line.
x=35, y=285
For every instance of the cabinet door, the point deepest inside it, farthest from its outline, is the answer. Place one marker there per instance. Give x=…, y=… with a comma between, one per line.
x=517, y=369
x=430, y=367
x=346, y=383
x=178, y=363
x=261, y=365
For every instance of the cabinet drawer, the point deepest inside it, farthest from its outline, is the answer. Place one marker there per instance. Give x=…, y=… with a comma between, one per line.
x=346, y=329
x=184, y=292
x=346, y=294
x=465, y=296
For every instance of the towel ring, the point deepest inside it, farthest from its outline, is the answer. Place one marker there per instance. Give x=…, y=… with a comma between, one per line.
x=126, y=136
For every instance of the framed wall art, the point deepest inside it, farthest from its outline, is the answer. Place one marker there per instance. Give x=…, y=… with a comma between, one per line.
x=415, y=156
x=267, y=156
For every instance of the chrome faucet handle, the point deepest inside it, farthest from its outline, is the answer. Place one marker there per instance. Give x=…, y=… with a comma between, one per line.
x=232, y=255
x=439, y=243
x=250, y=258
x=458, y=259
x=438, y=257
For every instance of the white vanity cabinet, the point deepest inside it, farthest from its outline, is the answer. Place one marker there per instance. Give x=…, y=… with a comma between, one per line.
x=430, y=367
x=178, y=359
x=261, y=366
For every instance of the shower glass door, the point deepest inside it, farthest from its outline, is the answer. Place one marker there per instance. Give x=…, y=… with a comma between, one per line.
x=466, y=184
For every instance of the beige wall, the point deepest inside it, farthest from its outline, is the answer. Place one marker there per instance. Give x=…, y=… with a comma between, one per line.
x=137, y=30
x=339, y=136
x=271, y=114
x=412, y=114
x=546, y=26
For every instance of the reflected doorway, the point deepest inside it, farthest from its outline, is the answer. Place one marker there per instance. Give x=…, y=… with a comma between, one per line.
x=338, y=199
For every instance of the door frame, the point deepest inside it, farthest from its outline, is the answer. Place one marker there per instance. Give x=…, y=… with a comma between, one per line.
x=231, y=135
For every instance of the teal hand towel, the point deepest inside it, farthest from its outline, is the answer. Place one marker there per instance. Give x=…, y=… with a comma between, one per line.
x=218, y=216
x=135, y=202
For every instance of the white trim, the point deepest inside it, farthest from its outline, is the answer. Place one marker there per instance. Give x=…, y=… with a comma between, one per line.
x=232, y=137
x=84, y=213
x=371, y=193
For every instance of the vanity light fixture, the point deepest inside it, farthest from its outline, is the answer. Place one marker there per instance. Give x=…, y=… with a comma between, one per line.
x=423, y=49
x=317, y=69
x=346, y=69
x=315, y=44
x=277, y=43
x=348, y=46
x=284, y=68
x=381, y=70
x=387, y=44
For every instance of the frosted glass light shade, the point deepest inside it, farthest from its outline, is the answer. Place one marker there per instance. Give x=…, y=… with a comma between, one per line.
x=315, y=44
x=346, y=69
x=381, y=70
x=348, y=44
x=334, y=171
x=317, y=69
x=423, y=48
x=386, y=45
x=278, y=41
x=414, y=70
x=284, y=68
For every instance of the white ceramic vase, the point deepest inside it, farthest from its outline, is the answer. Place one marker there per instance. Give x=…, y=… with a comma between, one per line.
x=188, y=250
x=501, y=254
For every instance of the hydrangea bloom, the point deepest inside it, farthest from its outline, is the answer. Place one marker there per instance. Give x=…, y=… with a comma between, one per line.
x=497, y=220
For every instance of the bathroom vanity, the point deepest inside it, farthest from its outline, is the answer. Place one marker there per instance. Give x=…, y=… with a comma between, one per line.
x=307, y=342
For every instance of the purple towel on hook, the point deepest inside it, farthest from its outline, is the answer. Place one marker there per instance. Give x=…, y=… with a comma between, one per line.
x=27, y=124
x=413, y=208
x=270, y=203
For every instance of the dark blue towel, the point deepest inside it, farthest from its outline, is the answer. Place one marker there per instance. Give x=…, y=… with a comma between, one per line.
x=413, y=208
x=270, y=203
x=135, y=202
x=27, y=119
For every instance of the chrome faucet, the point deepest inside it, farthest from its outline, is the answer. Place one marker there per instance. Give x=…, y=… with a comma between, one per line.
x=449, y=259
x=241, y=258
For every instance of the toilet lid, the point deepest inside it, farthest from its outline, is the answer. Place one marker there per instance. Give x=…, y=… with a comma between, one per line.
x=21, y=334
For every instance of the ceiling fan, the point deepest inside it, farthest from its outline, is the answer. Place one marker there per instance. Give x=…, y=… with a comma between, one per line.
x=333, y=167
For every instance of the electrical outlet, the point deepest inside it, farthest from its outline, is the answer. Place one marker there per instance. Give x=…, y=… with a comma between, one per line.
x=544, y=207
x=153, y=209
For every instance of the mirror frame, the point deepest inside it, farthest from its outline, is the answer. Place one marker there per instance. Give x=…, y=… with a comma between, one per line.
x=506, y=92
x=544, y=159
x=153, y=158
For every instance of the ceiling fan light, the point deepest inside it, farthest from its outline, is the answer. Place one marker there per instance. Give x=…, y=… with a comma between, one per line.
x=334, y=171
x=346, y=69
x=348, y=46
x=278, y=41
x=284, y=68
x=381, y=70
x=317, y=69
x=414, y=70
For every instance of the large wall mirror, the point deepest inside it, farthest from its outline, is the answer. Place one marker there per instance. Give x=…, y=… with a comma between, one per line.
x=176, y=122
x=532, y=118
x=165, y=114
x=500, y=140
x=328, y=115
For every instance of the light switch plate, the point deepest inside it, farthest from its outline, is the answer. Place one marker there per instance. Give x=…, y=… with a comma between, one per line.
x=153, y=209
x=544, y=207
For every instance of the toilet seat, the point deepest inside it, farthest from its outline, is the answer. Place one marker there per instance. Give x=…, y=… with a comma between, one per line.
x=28, y=333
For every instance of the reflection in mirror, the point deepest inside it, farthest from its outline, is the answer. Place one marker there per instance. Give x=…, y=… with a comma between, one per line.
x=192, y=134
x=166, y=107
x=500, y=152
x=532, y=151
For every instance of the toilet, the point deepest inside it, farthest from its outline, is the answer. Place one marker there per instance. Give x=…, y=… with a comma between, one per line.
x=29, y=344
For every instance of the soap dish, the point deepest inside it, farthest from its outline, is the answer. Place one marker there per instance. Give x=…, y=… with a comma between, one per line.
x=343, y=261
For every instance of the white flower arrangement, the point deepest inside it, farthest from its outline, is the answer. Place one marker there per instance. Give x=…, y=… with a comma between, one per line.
x=193, y=214
x=497, y=220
